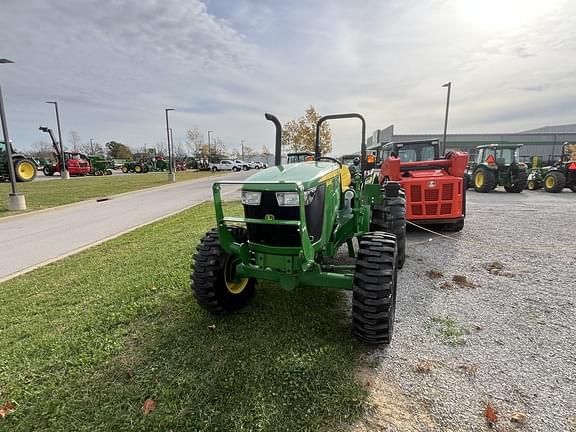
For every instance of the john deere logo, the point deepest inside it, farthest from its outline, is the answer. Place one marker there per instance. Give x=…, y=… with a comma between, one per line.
x=269, y=217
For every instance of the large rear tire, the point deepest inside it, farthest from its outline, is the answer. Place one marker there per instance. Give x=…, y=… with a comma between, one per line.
x=391, y=217
x=519, y=185
x=212, y=279
x=554, y=182
x=374, y=290
x=25, y=170
x=484, y=180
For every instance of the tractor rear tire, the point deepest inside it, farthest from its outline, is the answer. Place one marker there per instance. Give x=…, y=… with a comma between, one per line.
x=484, y=180
x=520, y=183
x=25, y=170
x=211, y=279
x=554, y=182
x=391, y=217
x=374, y=290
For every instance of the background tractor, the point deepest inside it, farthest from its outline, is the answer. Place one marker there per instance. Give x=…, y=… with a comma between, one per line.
x=537, y=173
x=563, y=173
x=100, y=166
x=77, y=164
x=295, y=219
x=499, y=165
x=434, y=187
x=24, y=168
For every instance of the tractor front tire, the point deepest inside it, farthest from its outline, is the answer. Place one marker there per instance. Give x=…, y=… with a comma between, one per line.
x=374, y=290
x=484, y=180
x=554, y=182
x=48, y=171
x=532, y=185
x=391, y=217
x=138, y=168
x=125, y=169
x=519, y=185
x=25, y=170
x=212, y=277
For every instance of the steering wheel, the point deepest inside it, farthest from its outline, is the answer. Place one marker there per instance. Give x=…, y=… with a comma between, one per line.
x=330, y=159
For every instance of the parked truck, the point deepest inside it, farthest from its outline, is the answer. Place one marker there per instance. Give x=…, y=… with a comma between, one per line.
x=225, y=165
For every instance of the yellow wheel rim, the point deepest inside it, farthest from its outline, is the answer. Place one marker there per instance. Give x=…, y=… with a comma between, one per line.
x=233, y=287
x=479, y=179
x=550, y=182
x=25, y=170
x=138, y=168
x=531, y=185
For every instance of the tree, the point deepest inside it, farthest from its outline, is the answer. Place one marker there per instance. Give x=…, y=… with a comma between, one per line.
x=74, y=139
x=92, y=148
x=117, y=150
x=195, y=143
x=299, y=134
x=266, y=154
x=42, y=150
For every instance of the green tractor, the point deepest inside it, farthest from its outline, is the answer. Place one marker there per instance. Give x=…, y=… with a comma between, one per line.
x=537, y=173
x=563, y=173
x=296, y=217
x=499, y=165
x=25, y=169
x=100, y=166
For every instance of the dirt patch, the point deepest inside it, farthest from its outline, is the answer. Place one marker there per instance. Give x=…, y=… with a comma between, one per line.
x=464, y=282
x=433, y=274
x=469, y=368
x=496, y=268
x=426, y=366
x=389, y=409
x=446, y=285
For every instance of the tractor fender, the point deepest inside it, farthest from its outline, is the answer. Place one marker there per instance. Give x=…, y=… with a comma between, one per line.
x=390, y=169
x=459, y=163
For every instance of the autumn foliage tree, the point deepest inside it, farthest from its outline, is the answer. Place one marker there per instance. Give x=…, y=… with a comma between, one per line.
x=299, y=134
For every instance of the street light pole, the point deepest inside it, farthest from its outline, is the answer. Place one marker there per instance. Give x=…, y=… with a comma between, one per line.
x=449, y=85
x=92, y=146
x=209, y=132
x=242, y=150
x=171, y=175
x=16, y=201
x=63, y=170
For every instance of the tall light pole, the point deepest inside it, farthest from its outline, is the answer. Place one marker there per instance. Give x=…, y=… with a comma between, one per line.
x=63, y=170
x=242, y=150
x=209, y=132
x=449, y=85
x=171, y=175
x=92, y=146
x=16, y=201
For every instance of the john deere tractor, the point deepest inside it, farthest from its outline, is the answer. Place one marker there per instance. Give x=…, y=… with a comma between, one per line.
x=563, y=173
x=24, y=168
x=295, y=219
x=499, y=165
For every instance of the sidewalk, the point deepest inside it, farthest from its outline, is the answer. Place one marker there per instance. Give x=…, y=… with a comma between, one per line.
x=32, y=240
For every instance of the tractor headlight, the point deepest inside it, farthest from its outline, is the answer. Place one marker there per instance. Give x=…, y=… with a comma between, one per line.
x=251, y=198
x=290, y=199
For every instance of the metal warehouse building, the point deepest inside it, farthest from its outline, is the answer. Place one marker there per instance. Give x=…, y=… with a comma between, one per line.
x=546, y=141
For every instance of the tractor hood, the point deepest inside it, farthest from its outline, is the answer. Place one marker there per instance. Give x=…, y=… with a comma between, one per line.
x=310, y=174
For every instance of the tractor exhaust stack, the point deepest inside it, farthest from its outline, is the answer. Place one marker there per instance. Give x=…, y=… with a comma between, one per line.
x=278, y=150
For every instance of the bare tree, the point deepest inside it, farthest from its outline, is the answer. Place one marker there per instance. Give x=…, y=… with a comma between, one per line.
x=195, y=143
x=92, y=148
x=42, y=149
x=74, y=139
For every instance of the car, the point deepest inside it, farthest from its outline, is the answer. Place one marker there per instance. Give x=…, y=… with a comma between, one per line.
x=225, y=165
x=244, y=165
x=257, y=165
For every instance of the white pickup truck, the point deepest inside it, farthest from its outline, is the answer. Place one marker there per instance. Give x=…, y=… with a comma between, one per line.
x=225, y=165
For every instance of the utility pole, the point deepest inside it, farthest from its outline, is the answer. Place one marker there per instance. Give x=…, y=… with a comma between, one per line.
x=16, y=201
x=171, y=175
x=449, y=85
x=209, y=132
x=63, y=169
x=242, y=150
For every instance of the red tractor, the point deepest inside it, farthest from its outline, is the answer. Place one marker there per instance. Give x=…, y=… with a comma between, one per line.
x=434, y=186
x=77, y=163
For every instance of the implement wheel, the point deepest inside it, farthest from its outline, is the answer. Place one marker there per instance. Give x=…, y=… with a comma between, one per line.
x=484, y=180
x=212, y=279
x=25, y=170
x=554, y=182
x=390, y=217
x=374, y=291
x=125, y=169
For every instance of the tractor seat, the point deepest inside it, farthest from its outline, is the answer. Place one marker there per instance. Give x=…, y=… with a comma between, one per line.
x=345, y=177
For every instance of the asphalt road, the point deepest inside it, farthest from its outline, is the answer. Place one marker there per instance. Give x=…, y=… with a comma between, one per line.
x=59, y=232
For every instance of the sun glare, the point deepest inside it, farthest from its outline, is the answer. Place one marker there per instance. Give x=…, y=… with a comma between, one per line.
x=504, y=14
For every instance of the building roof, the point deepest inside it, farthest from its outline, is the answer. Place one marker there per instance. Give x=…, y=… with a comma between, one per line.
x=567, y=128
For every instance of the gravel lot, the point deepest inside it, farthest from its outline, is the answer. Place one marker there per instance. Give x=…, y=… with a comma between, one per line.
x=507, y=339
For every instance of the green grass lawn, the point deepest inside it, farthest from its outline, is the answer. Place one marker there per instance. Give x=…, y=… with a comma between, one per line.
x=86, y=340
x=53, y=193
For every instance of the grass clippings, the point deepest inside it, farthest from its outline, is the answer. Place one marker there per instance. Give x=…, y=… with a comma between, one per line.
x=448, y=330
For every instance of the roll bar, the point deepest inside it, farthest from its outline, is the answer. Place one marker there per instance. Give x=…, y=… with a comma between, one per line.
x=343, y=116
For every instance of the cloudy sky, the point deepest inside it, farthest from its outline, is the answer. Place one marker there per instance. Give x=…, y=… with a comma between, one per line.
x=115, y=65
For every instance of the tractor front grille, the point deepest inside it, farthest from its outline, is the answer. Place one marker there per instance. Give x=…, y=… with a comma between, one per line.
x=280, y=235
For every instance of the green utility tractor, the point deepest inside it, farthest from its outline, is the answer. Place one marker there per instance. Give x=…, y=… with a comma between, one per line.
x=563, y=173
x=537, y=173
x=24, y=168
x=296, y=217
x=499, y=165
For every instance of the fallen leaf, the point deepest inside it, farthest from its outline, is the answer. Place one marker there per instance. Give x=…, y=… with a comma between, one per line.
x=6, y=409
x=149, y=406
x=490, y=414
x=518, y=417
x=212, y=327
x=433, y=274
